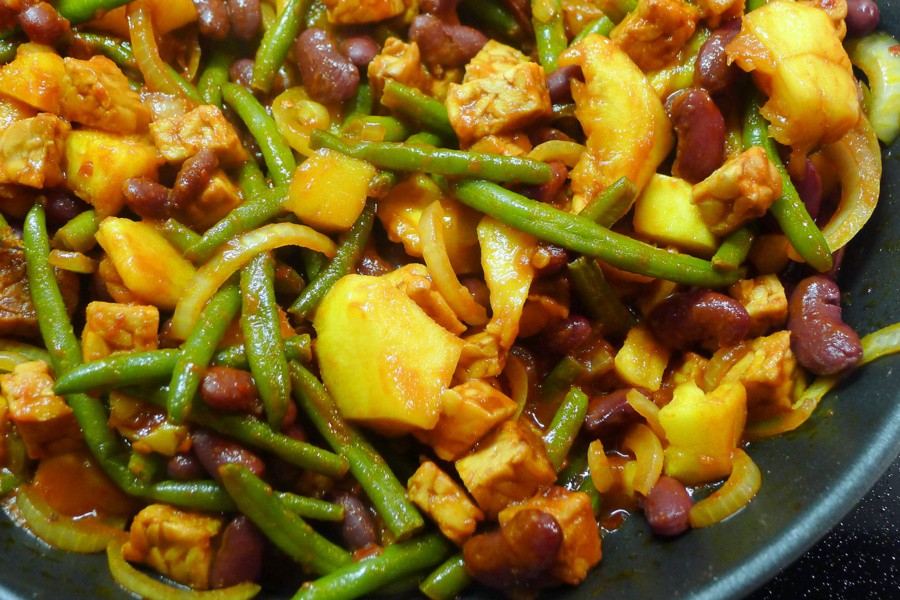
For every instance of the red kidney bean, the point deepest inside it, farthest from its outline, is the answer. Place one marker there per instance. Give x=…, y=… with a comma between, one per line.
x=518, y=555
x=214, y=451
x=358, y=527
x=445, y=44
x=212, y=18
x=521, y=12
x=699, y=317
x=62, y=206
x=608, y=414
x=147, y=198
x=712, y=71
x=42, y=24
x=810, y=189
x=567, y=335
x=239, y=557
x=559, y=83
x=185, y=466
x=231, y=390
x=241, y=72
x=478, y=289
x=439, y=8
x=193, y=177
x=553, y=259
x=539, y=135
x=360, y=49
x=547, y=192
x=820, y=339
x=862, y=17
x=245, y=17
x=328, y=75
x=667, y=507
x=700, y=127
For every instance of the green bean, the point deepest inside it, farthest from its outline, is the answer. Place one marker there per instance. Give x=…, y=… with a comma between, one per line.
x=357, y=126
x=610, y=205
x=734, y=249
x=565, y=426
x=408, y=157
x=598, y=297
x=296, y=347
x=788, y=209
x=275, y=150
x=347, y=256
x=178, y=235
x=754, y=4
x=276, y=43
x=262, y=336
x=561, y=377
x=8, y=50
x=602, y=26
x=144, y=466
x=198, y=351
x=425, y=110
x=205, y=495
x=287, y=280
x=118, y=51
x=447, y=581
x=252, y=180
x=362, y=103
x=312, y=508
x=26, y=350
x=368, y=576
x=79, y=11
x=286, y=529
x=78, y=234
x=549, y=32
x=213, y=76
x=495, y=16
x=587, y=486
x=8, y=482
x=576, y=233
x=387, y=494
x=425, y=138
x=249, y=215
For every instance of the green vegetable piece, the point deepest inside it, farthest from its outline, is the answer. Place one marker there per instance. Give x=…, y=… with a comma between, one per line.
x=875, y=54
x=598, y=297
x=565, y=426
x=276, y=43
x=447, y=581
x=549, y=32
x=425, y=110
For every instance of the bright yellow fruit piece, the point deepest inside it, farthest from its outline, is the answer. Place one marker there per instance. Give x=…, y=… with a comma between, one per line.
x=665, y=214
x=642, y=360
x=385, y=361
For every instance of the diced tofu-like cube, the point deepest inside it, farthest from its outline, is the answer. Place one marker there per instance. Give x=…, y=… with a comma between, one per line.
x=509, y=466
x=691, y=370
x=664, y=213
x=31, y=151
x=493, y=59
x=581, y=547
x=444, y=501
x=716, y=11
x=44, y=421
x=765, y=301
x=352, y=12
x=384, y=360
x=516, y=144
x=146, y=426
x=218, y=198
x=400, y=62
x=99, y=163
x=176, y=543
x=149, y=266
x=204, y=127
x=36, y=77
x=577, y=14
x=97, y=94
x=12, y=110
x=111, y=327
x=654, y=32
x=702, y=430
x=329, y=190
x=468, y=412
x=642, y=360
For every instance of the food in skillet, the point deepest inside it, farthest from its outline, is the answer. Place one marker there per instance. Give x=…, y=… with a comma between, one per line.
x=333, y=298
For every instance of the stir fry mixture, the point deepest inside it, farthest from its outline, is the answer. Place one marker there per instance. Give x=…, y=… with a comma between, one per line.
x=339, y=297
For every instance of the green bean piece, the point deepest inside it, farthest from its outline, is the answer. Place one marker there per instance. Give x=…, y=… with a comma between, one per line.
x=425, y=138
x=422, y=108
x=252, y=180
x=565, y=426
x=598, y=298
x=387, y=494
x=78, y=234
x=180, y=236
x=250, y=214
x=205, y=495
x=276, y=43
x=362, y=103
x=288, y=281
x=754, y=4
x=120, y=370
x=144, y=466
x=587, y=486
x=610, y=205
x=8, y=482
x=26, y=350
x=118, y=51
x=79, y=11
x=495, y=16
x=381, y=184
x=549, y=32
x=214, y=76
x=312, y=508
x=408, y=157
x=447, y=581
x=316, y=15
x=789, y=210
x=198, y=351
x=296, y=347
x=275, y=150
x=734, y=249
x=8, y=50
x=347, y=256
x=284, y=528
x=561, y=377
x=602, y=26
x=357, y=126
x=370, y=575
x=262, y=336
x=578, y=234
x=3, y=221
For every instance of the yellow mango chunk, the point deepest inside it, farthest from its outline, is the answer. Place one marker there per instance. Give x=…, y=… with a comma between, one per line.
x=150, y=267
x=385, y=361
x=666, y=214
x=329, y=190
x=702, y=430
x=642, y=360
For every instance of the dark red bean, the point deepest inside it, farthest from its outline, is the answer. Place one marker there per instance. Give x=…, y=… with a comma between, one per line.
x=609, y=413
x=559, y=83
x=42, y=24
x=328, y=75
x=862, y=17
x=549, y=259
x=540, y=135
x=62, y=206
x=519, y=555
x=547, y=192
x=241, y=72
x=820, y=339
x=443, y=43
x=239, y=557
x=215, y=451
x=667, y=507
x=193, y=177
x=360, y=49
x=212, y=18
x=699, y=317
x=439, y=8
x=521, y=12
x=810, y=189
x=358, y=527
x=700, y=127
x=567, y=335
x=245, y=17
x=147, y=198
x=712, y=70
x=231, y=390
x=185, y=466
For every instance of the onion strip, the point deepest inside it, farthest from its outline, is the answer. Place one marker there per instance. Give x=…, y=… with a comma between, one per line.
x=84, y=535
x=9, y=360
x=602, y=474
x=737, y=491
x=648, y=453
x=645, y=407
x=76, y=262
x=235, y=254
x=517, y=377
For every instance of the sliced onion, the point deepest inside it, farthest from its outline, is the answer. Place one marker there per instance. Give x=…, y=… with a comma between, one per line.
x=737, y=491
x=569, y=153
x=146, y=51
x=434, y=250
x=645, y=407
x=602, y=474
x=75, y=262
x=232, y=256
x=296, y=115
x=648, y=453
x=9, y=360
x=149, y=588
x=517, y=377
x=83, y=535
